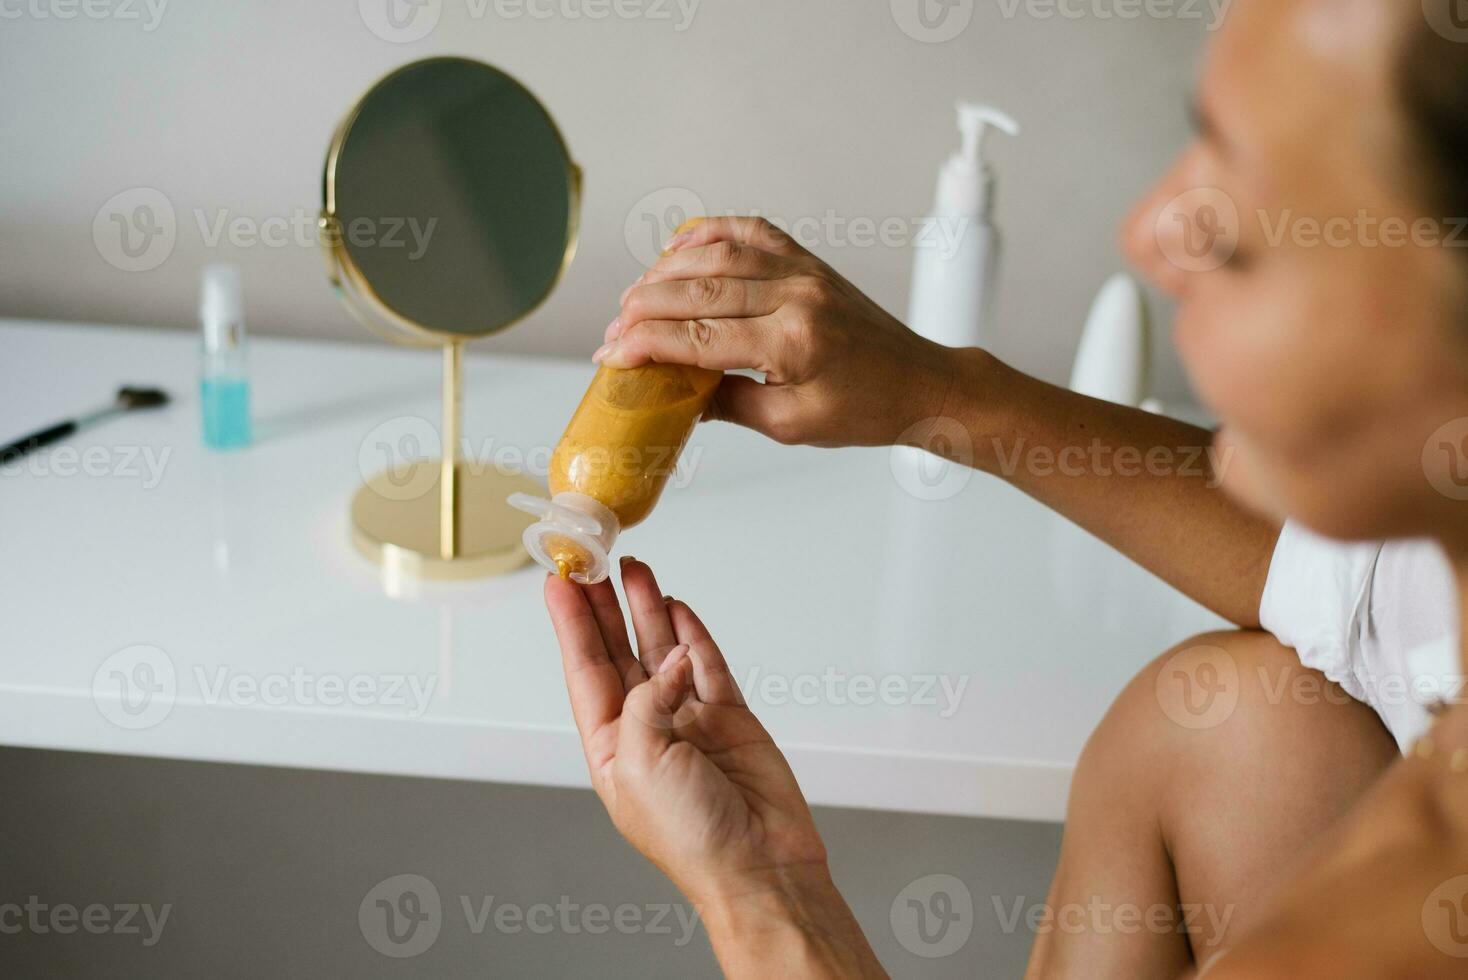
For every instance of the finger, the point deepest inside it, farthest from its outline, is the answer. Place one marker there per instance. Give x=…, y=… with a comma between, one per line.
x=602, y=598
x=729, y=259
x=650, y=620
x=755, y=232
x=592, y=681
x=717, y=344
x=703, y=297
x=648, y=724
x=713, y=682
x=770, y=409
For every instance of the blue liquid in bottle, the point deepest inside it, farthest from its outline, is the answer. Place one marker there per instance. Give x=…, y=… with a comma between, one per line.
x=226, y=405
x=224, y=389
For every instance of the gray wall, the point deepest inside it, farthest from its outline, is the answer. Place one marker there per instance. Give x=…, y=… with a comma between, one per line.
x=797, y=108
x=265, y=871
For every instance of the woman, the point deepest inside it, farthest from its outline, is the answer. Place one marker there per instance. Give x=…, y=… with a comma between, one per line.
x=1340, y=369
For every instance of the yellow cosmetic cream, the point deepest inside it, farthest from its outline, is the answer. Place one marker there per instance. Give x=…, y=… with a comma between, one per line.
x=609, y=469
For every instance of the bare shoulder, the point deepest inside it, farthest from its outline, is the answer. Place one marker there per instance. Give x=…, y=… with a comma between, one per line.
x=1385, y=894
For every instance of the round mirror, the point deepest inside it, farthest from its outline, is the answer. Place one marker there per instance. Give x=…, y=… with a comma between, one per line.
x=451, y=202
x=450, y=213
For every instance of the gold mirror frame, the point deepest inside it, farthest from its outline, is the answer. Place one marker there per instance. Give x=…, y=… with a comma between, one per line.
x=466, y=530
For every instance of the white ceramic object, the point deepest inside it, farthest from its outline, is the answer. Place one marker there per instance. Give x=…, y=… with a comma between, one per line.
x=1114, y=357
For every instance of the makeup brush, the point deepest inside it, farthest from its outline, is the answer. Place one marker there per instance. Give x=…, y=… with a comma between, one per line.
x=128, y=399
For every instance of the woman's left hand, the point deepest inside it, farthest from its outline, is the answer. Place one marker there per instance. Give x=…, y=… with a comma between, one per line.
x=688, y=774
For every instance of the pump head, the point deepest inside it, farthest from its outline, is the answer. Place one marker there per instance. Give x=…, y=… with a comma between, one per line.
x=974, y=122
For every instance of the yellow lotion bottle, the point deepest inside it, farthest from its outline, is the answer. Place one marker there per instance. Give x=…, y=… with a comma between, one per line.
x=610, y=467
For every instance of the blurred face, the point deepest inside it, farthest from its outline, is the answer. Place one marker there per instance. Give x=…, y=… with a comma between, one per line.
x=1321, y=307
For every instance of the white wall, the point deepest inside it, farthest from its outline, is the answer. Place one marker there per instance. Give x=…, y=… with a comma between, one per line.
x=797, y=108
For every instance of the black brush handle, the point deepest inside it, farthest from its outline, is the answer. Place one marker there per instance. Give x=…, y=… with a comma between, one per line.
x=36, y=440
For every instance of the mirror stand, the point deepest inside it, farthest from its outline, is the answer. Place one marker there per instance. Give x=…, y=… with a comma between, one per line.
x=445, y=518
x=472, y=156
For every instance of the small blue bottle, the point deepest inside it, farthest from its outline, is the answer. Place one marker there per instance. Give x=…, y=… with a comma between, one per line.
x=224, y=388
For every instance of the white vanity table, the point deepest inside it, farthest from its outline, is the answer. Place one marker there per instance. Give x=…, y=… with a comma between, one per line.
x=945, y=656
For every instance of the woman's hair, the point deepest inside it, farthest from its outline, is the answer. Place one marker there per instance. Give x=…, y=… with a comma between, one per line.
x=1433, y=73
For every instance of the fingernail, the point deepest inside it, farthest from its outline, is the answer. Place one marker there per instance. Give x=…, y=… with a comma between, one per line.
x=614, y=330
x=603, y=351
x=625, y=293
x=667, y=598
x=677, y=241
x=674, y=656
x=625, y=560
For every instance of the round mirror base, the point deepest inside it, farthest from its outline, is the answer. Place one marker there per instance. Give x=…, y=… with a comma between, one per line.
x=396, y=522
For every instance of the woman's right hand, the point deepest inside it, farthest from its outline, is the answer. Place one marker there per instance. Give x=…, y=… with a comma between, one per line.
x=738, y=293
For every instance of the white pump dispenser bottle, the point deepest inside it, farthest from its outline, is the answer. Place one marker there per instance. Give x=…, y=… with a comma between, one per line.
x=956, y=261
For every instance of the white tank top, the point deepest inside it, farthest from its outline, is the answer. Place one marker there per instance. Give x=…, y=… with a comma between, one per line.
x=1379, y=618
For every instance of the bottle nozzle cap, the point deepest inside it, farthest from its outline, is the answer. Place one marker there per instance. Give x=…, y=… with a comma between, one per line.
x=573, y=537
x=221, y=306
